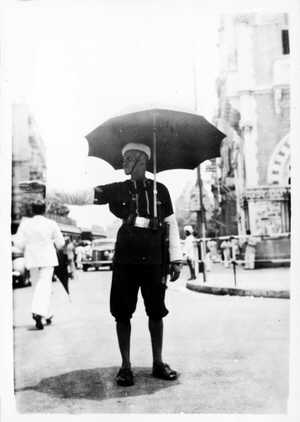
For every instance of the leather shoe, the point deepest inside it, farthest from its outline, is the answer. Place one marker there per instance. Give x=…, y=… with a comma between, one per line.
x=124, y=377
x=38, y=321
x=49, y=320
x=164, y=372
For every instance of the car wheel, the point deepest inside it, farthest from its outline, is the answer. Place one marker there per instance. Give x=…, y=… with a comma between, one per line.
x=85, y=267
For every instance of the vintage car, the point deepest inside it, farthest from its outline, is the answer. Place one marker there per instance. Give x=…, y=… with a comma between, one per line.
x=100, y=254
x=20, y=275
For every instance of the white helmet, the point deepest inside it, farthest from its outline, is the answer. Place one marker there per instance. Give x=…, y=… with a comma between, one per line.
x=188, y=229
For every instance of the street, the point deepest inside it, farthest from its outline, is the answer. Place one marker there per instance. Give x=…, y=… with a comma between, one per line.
x=231, y=353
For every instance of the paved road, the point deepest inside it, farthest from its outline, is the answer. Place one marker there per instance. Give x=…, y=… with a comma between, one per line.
x=231, y=352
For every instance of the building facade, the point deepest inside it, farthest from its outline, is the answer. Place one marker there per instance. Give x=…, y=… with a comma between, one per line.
x=28, y=156
x=254, y=113
x=29, y=165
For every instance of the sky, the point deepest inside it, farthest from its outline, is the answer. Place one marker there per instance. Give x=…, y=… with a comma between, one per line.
x=79, y=63
x=78, y=66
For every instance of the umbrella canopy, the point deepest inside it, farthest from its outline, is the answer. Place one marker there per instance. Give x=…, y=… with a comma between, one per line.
x=184, y=139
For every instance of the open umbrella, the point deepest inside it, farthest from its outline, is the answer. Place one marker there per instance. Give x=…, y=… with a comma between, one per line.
x=178, y=140
x=184, y=140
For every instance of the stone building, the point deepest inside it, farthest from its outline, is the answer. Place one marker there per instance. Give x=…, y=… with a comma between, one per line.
x=254, y=112
x=29, y=164
x=28, y=155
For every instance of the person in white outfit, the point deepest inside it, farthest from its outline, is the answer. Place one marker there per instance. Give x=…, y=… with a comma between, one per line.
x=79, y=252
x=38, y=236
x=250, y=243
x=226, y=248
x=189, y=250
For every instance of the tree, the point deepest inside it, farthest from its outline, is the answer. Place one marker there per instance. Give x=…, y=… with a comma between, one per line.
x=78, y=197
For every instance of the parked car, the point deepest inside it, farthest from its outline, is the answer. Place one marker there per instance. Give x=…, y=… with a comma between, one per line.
x=20, y=275
x=101, y=254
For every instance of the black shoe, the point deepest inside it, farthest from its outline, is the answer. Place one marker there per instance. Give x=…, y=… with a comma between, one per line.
x=164, y=372
x=124, y=377
x=38, y=321
x=49, y=320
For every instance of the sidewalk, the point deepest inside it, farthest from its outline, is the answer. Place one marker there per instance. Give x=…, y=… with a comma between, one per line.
x=264, y=282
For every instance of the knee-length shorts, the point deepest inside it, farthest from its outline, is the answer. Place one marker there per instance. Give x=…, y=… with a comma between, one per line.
x=126, y=282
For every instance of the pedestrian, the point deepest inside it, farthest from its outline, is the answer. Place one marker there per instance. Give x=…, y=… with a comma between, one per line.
x=250, y=243
x=189, y=250
x=226, y=251
x=213, y=252
x=88, y=250
x=235, y=248
x=70, y=252
x=79, y=252
x=139, y=256
x=39, y=237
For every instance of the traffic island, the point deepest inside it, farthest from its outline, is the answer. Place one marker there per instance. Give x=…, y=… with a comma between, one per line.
x=233, y=291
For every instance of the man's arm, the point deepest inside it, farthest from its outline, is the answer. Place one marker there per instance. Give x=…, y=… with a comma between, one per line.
x=94, y=195
x=175, y=251
x=174, y=239
x=88, y=196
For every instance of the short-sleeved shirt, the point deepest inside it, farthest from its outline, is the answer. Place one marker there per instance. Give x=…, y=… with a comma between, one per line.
x=135, y=198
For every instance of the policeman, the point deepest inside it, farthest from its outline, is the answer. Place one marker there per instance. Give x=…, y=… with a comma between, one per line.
x=139, y=256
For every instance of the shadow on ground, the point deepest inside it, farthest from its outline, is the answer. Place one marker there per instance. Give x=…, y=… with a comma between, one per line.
x=98, y=384
x=28, y=327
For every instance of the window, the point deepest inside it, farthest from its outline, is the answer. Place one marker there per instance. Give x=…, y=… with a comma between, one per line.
x=285, y=41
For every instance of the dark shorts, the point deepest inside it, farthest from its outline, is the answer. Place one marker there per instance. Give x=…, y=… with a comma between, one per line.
x=126, y=281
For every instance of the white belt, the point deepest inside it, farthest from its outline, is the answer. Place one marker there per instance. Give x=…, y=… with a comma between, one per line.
x=142, y=222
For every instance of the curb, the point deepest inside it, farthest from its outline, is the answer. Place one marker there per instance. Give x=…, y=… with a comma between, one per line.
x=232, y=291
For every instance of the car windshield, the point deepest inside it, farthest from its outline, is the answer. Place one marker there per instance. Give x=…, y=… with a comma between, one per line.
x=104, y=244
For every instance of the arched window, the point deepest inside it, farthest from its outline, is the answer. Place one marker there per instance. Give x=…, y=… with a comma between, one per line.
x=279, y=164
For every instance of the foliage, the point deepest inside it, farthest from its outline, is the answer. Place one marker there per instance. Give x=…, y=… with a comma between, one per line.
x=214, y=223
x=58, y=208
x=78, y=197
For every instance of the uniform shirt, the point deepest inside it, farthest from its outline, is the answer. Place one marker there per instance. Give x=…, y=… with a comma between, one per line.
x=135, y=198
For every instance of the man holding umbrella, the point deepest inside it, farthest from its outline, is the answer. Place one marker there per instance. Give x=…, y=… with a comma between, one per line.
x=139, y=256
x=163, y=139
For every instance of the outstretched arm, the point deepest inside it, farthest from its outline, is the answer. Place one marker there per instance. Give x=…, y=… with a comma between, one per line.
x=88, y=196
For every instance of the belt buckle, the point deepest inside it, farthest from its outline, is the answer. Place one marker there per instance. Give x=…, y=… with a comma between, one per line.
x=142, y=222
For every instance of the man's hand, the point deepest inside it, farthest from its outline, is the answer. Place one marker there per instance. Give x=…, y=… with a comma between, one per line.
x=175, y=268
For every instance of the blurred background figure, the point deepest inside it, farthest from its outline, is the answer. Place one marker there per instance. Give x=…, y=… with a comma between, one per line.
x=87, y=249
x=212, y=247
x=250, y=251
x=235, y=248
x=79, y=253
x=39, y=237
x=189, y=250
x=226, y=252
x=70, y=252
